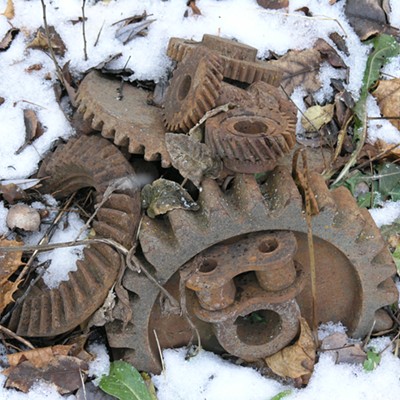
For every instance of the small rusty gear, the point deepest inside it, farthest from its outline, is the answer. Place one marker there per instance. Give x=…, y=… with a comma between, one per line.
x=240, y=62
x=129, y=122
x=354, y=266
x=250, y=140
x=193, y=90
x=87, y=161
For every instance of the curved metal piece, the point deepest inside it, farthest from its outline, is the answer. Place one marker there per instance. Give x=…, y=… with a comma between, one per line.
x=130, y=122
x=354, y=266
x=193, y=90
x=87, y=161
x=250, y=140
x=240, y=63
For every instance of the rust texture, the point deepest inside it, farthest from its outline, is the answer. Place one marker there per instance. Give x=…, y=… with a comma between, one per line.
x=240, y=63
x=129, y=122
x=193, y=90
x=83, y=162
x=353, y=277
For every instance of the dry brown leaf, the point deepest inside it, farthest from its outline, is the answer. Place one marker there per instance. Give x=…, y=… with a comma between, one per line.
x=369, y=17
x=315, y=117
x=296, y=361
x=390, y=149
x=388, y=97
x=33, y=129
x=193, y=159
x=343, y=351
x=300, y=68
x=193, y=6
x=40, y=41
x=273, y=4
x=8, y=38
x=65, y=372
x=329, y=53
x=9, y=12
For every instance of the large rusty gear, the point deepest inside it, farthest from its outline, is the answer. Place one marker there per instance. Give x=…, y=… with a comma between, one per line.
x=87, y=161
x=354, y=266
x=240, y=62
x=193, y=90
x=129, y=122
x=250, y=140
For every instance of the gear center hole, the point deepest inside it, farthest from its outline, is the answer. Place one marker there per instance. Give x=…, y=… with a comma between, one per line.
x=268, y=245
x=208, y=265
x=258, y=327
x=251, y=127
x=184, y=87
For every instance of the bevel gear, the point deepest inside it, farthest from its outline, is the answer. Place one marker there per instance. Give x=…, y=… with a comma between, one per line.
x=87, y=161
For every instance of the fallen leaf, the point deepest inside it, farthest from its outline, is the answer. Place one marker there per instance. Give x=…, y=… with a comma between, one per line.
x=92, y=392
x=339, y=346
x=388, y=97
x=163, y=195
x=34, y=67
x=2, y=100
x=369, y=17
x=329, y=54
x=273, y=4
x=193, y=6
x=128, y=32
x=317, y=116
x=295, y=361
x=9, y=264
x=12, y=193
x=390, y=149
x=340, y=42
x=8, y=38
x=9, y=12
x=299, y=68
x=40, y=41
x=33, y=129
x=193, y=159
x=69, y=83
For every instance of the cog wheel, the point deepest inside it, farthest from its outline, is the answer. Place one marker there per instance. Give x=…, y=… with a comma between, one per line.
x=193, y=90
x=354, y=266
x=250, y=140
x=129, y=122
x=81, y=163
x=240, y=60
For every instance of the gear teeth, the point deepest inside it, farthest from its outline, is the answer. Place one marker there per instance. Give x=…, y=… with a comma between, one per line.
x=78, y=164
x=194, y=89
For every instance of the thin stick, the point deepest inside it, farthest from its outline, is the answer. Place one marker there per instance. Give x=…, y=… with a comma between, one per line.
x=159, y=351
x=84, y=31
x=98, y=35
x=52, y=54
x=15, y=336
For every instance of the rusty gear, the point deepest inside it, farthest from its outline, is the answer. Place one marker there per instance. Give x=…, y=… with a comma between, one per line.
x=354, y=267
x=240, y=63
x=250, y=140
x=87, y=161
x=129, y=122
x=193, y=90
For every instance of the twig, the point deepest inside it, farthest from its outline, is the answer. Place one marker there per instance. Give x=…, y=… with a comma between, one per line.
x=98, y=35
x=52, y=54
x=159, y=351
x=383, y=118
x=15, y=336
x=84, y=30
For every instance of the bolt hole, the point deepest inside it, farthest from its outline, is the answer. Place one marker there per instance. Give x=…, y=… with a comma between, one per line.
x=268, y=245
x=184, y=87
x=251, y=127
x=208, y=265
x=258, y=327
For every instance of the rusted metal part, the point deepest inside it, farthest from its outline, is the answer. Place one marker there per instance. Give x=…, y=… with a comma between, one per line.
x=129, y=122
x=193, y=90
x=87, y=161
x=273, y=4
x=354, y=266
x=250, y=141
x=240, y=63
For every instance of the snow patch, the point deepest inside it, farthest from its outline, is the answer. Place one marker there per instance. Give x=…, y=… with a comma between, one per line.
x=386, y=215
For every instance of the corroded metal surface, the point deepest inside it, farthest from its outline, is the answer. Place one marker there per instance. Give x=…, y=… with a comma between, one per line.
x=354, y=267
x=129, y=122
x=250, y=140
x=240, y=63
x=193, y=90
x=83, y=162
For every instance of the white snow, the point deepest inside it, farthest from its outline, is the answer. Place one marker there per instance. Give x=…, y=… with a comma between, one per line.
x=101, y=364
x=206, y=376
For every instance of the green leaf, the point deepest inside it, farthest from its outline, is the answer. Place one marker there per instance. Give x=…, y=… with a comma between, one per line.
x=283, y=394
x=396, y=258
x=389, y=181
x=125, y=382
x=372, y=361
